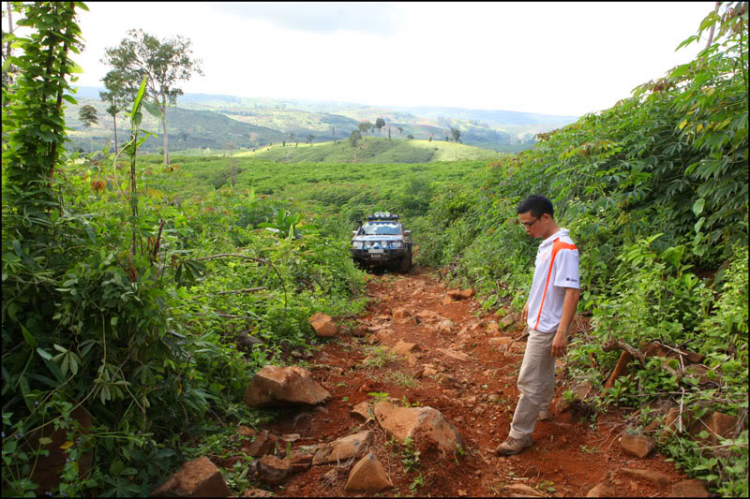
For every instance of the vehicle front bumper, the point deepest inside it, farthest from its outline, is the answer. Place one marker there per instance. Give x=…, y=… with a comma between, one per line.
x=388, y=255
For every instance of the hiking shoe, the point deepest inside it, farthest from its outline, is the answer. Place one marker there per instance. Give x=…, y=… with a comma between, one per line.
x=543, y=415
x=513, y=446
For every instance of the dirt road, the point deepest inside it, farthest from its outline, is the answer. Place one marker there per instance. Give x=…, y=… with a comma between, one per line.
x=457, y=369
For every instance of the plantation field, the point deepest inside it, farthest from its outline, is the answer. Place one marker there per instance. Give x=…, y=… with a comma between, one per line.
x=373, y=150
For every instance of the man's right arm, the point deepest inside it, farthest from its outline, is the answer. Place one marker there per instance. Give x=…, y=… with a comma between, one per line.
x=525, y=313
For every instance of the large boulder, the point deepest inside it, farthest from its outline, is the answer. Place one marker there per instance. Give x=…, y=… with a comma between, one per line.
x=274, y=385
x=461, y=294
x=323, y=325
x=422, y=424
x=197, y=478
x=344, y=448
x=368, y=475
x=272, y=470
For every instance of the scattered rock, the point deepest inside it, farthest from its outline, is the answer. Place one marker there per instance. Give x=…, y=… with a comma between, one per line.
x=493, y=328
x=509, y=320
x=689, y=488
x=197, y=478
x=385, y=335
x=363, y=410
x=580, y=391
x=429, y=372
x=522, y=490
x=420, y=423
x=501, y=342
x=657, y=349
x=368, y=475
x=274, y=385
x=621, y=369
x=403, y=348
x=290, y=437
x=330, y=477
x=256, y=493
x=517, y=347
x=718, y=425
x=601, y=490
x=654, y=477
x=301, y=462
x=636, y=445
x=453, y=354
x=272, y=470
x=258, y=443
x=461, y=294
x=343, y=448
x=400, y=314
x=444, y=326
x=323, y=325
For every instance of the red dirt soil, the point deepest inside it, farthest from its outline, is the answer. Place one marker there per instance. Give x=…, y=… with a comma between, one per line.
x=569, y=457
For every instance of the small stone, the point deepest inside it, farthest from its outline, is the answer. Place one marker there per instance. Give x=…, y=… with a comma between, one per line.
x=461, y=294
x=654, y=477
x=256, y=493
x=274, y=385
x=636, y=445
x=522, y=490
x=404, y=348
x=453, y=354
x=363, y=410
x=272, y=470
x=197, y=478
x=344, y=448
x=368, y=475
x=323, y=325
x=400, y=314
x=501, y=342
x=689, y=488
x=462, y=493
x=601, y=490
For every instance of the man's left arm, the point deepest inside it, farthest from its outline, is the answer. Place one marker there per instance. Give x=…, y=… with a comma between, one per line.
x=560, y=342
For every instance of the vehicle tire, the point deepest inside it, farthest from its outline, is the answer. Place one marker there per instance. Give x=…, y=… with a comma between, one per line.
x=406, y=262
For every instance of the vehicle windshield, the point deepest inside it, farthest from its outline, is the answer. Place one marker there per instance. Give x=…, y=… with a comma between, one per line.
x=380, y=228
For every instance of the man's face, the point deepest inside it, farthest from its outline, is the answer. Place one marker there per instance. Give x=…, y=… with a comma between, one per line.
x=533, y=226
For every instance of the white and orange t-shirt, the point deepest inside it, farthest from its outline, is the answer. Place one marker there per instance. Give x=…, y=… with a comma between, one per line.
x=556, y=269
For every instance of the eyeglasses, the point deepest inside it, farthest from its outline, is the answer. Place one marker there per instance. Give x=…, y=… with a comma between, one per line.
x=529, y=224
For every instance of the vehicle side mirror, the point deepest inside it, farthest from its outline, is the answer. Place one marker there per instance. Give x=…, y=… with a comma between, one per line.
x=407, y=233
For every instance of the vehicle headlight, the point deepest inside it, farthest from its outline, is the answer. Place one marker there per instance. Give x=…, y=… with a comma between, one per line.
x=397, y=244
x=358, y=244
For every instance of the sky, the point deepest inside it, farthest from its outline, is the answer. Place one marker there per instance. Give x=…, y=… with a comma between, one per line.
x=551, y=58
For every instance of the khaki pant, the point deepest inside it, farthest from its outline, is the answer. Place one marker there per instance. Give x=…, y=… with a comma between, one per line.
x=536, y=382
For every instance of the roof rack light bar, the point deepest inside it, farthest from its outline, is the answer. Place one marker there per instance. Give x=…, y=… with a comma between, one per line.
x=379, y=215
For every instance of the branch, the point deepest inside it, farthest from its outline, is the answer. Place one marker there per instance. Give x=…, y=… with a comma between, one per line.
x=236, y=292
x=255, y=259
x=637, y=354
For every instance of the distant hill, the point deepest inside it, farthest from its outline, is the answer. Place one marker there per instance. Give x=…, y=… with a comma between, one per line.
x=212, y=121
x=372, y=150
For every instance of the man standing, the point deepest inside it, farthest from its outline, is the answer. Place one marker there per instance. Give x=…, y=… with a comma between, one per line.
x=548, y=312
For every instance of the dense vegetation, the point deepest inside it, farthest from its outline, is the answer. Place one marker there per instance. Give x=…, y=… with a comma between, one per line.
x=149, y=295
x=655, y=193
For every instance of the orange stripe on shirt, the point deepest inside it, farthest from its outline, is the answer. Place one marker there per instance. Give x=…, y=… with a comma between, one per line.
x=557, y=245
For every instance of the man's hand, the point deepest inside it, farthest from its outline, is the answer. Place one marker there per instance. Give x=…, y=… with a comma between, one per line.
x=525, y=313
x=559, y=344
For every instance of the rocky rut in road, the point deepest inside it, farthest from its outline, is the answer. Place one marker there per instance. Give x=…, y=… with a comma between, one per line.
x=422, y=345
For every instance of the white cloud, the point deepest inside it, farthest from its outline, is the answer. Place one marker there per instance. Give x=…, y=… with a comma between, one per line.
x=555, y=58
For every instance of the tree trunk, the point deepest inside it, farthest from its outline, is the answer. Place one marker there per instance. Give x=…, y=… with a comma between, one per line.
x=114, y=118
x=713, y=27
x=164, y=125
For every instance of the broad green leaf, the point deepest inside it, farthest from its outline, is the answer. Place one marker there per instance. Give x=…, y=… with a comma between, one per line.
x=153, y=110
x=698, y=206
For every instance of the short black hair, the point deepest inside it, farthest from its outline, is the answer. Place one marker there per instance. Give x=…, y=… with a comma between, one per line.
x=536, y=204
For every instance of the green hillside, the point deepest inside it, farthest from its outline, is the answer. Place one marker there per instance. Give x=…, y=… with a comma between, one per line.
x=372, y=150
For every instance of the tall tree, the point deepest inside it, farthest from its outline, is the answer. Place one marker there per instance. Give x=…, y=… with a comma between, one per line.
x=400, y=131
x=456, y=133
x=379, y=124
x=364, y=126
x=87, y=114
x=310, y=139
x=354, y=139
x=116, y=96
x=164, y=63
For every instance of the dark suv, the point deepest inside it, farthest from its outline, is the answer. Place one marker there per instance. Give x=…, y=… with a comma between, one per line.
x=382, y=240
